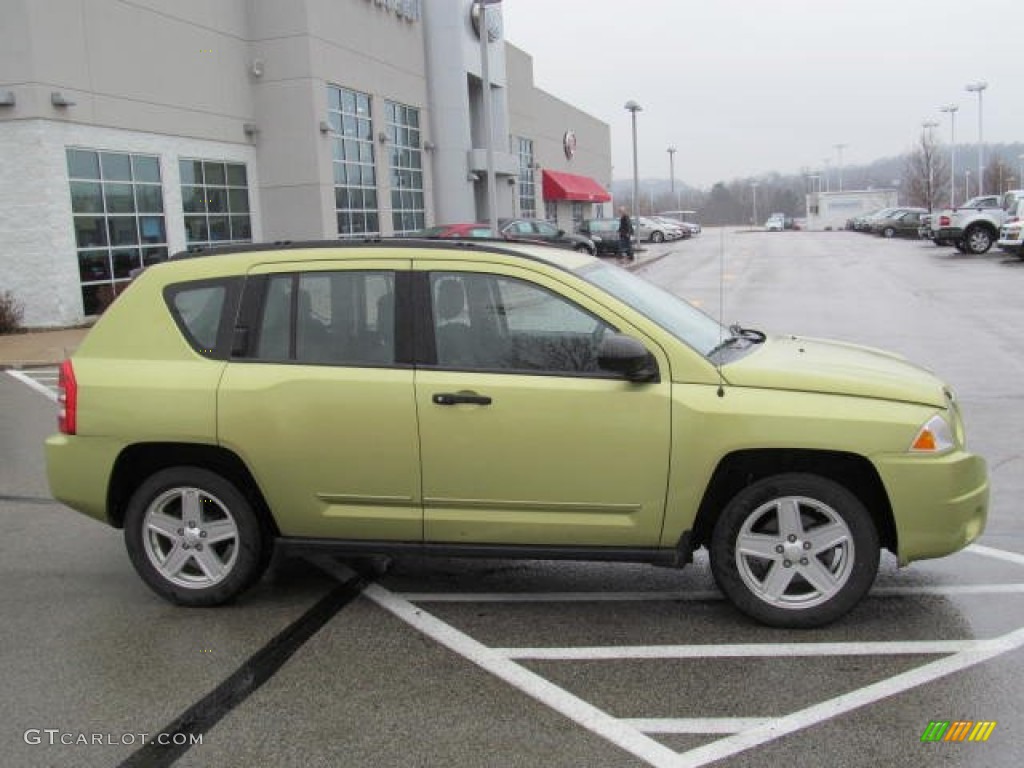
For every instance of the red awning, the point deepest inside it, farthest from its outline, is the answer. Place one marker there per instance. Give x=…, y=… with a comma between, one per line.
x=569, y=186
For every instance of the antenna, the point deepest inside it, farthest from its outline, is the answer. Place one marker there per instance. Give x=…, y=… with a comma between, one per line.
x=721, y=304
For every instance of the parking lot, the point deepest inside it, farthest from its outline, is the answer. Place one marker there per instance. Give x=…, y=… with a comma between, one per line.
x=469, y=663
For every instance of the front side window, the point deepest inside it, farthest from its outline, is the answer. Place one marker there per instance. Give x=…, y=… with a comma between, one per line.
x=403, y=130
x=491, y=322
x=118, y=208
x=333, y=318
x=215, y=200
x=355, y=170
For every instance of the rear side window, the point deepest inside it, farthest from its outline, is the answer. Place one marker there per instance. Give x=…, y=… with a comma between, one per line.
x=339, y=318
x=201, y=310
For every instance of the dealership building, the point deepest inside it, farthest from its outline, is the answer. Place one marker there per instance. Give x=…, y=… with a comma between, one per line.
x=132, y=129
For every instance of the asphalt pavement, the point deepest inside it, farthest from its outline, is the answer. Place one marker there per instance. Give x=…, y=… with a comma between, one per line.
x=467, y=663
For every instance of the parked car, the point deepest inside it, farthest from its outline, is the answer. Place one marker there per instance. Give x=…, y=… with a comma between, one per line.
x=775, y=223
x=464, y=230
x=507, y=400
x=974, y=226
x=540, y=230
x=654, y=231
x=604, y=233
x=1011, y=236
x=685, y=219
x=903, y=223
x=674, y=230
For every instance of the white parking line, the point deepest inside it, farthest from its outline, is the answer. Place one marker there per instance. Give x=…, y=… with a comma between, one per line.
x=615, y=730
x=737, y=651
x=826, y=710
x=701, y=595
x=696, y=724
x=36, y=385
x=743, y=733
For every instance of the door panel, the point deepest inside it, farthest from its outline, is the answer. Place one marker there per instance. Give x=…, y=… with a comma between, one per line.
x=523, y=439
x=321, y=406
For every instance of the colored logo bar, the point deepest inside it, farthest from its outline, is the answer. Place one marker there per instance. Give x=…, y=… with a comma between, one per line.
x=958, y=730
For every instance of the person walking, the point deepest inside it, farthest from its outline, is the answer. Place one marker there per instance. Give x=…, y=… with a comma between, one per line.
x=626, y=236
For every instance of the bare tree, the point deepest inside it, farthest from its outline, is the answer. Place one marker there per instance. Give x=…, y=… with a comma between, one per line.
x=926, y=173
x=1000, y=176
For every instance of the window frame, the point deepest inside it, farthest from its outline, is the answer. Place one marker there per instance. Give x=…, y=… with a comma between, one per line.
x=426, y=338
x=228, y=314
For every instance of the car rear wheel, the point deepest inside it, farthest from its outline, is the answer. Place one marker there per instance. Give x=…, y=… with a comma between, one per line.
x=795, y=550
x=193, y=537
x=888, y=232
x=977, y=240
x=657, y=237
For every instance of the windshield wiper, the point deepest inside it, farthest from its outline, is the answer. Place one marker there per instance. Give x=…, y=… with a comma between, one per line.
x=750, y=334
x=738, y=335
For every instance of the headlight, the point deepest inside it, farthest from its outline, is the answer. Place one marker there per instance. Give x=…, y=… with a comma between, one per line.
x=934, y=437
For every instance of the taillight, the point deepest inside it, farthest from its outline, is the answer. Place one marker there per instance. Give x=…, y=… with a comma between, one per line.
x=944, y=221
x=67, y=399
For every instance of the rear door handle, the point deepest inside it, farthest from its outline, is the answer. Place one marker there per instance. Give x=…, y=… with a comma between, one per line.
x=458, y=398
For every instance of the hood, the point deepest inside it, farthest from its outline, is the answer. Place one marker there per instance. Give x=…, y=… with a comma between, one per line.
x=818, y=365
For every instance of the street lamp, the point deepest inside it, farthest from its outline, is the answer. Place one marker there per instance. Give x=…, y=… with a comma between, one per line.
x=952, y=110
x=979, y=88
x=927, y=126
x=967, y=184
x=753, y=186
x=828, y=184
x=485, y=77
x=672, y=171
x=633, y=108
x=839, y=149
x=1020, y=174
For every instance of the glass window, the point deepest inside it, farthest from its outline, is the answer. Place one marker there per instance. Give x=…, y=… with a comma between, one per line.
x=340, y=318
x=490, y=322
x=527, y=182
x=407, y=210
x=355, y=172
x=219, y=191
x=121, y=203
x=199, y=310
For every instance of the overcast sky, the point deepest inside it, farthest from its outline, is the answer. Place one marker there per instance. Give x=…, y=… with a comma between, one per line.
x=745, y=87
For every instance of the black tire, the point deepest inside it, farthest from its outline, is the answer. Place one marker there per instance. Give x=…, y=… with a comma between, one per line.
x=582, y=248
x=657, y=237
x=960, y=246
x=888, y=232
x=194, y=538
x=776, y=587
x=977, y=240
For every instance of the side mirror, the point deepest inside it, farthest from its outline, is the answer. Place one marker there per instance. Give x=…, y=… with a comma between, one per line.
x=627, y=357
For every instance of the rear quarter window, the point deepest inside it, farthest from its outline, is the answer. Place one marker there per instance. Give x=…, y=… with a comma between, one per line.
x=203, y=312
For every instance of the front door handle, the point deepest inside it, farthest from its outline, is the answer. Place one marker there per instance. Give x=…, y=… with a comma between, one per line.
x=458, y=398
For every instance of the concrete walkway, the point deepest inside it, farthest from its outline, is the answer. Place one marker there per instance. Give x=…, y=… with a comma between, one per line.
x=35, y=348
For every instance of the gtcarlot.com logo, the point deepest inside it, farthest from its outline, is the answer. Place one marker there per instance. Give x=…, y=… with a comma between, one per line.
x=55, y=736
x=958, y=730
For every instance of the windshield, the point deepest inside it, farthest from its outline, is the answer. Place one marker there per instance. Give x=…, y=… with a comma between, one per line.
x=678, y=317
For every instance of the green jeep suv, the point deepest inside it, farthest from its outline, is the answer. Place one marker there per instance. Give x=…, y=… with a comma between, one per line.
x=499, y=400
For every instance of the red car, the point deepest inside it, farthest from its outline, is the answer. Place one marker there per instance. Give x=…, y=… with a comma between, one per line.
x=457, y=231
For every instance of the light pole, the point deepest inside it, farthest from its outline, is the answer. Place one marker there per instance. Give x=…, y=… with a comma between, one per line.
x=967, y=184
x=839, y=149
x=485, y=77
x=1020, y=173
x=633, y=108
x=929, y=145
x=979, y=88
x=753, y=186
x=952, y=110
x=672, y=171
x=827, y=161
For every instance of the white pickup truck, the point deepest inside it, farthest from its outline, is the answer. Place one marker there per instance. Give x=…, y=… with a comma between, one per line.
x=974, y=226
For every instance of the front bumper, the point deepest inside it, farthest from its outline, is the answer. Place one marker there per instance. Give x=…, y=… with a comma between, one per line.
x=939, y=503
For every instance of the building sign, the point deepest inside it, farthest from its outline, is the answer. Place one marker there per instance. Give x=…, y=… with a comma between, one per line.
x=569, y=144
x=410, y=10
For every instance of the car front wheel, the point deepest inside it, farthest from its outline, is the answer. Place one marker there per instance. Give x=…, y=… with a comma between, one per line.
x=193, y=537
x=795, y=550
x=657, y=237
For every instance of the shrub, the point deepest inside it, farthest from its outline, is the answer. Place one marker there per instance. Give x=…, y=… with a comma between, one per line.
x=11, y=312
